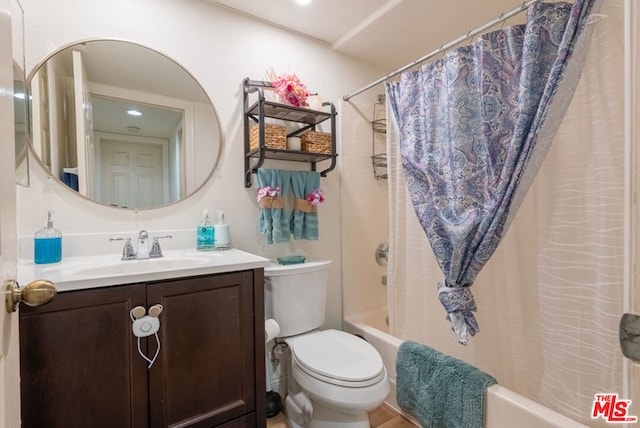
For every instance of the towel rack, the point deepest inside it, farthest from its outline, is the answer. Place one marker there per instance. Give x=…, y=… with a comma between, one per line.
x=307, y=120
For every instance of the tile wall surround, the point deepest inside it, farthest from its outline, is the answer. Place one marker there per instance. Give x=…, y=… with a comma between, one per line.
x=365, y=223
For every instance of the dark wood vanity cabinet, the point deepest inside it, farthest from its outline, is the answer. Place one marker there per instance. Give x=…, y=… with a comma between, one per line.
x=206, y=369
x=80, y=366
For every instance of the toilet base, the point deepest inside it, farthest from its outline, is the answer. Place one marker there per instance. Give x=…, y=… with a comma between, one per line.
x=324, y=417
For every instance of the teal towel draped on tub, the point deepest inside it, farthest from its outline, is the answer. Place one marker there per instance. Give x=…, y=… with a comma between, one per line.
x=438, y=390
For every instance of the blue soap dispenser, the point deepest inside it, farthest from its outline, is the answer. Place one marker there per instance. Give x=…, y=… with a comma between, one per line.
x=205, y=235
x=47, y=244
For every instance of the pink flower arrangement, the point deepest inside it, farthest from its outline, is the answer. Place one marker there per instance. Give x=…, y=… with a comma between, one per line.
x=290, y=90
x=316, y=197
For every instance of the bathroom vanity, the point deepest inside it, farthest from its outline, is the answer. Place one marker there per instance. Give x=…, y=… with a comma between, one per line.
x=80, y=363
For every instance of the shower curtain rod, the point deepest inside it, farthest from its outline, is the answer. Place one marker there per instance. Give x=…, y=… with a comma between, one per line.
x=470, y=34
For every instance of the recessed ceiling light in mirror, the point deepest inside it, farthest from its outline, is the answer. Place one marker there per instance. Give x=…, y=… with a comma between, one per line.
x=134, y=113
x=303, y=2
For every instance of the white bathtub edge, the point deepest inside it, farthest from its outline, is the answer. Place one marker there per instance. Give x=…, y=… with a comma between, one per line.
x=504, y=407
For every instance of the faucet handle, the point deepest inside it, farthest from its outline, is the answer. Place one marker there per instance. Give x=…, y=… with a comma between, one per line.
x=128, y=253
x=156, y=251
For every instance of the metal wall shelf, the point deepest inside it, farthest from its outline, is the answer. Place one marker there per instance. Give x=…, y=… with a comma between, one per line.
x=263, y=109
x=378, y=132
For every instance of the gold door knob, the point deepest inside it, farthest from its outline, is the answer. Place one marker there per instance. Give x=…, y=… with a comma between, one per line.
x=36, y=293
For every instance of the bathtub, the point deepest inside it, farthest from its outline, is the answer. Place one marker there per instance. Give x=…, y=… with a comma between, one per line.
x=505, y=408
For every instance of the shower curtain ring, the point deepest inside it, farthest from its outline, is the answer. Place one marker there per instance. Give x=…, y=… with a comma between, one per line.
x=502, y=18
x=472, y=35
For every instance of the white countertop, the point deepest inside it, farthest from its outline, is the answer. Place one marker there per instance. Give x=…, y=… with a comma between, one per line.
x=77, y=273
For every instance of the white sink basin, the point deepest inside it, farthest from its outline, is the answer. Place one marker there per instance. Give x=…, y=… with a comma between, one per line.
x=75, y=273
x=128, y=267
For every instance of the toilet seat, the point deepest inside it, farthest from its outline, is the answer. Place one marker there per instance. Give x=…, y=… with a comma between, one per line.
x=338, y=358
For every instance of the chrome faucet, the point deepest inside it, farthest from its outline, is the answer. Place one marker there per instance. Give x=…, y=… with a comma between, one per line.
x=142, y=250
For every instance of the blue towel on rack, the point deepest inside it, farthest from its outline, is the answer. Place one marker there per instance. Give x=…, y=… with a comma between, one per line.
x=273, y=221
x=304, y=225
x=438, y=390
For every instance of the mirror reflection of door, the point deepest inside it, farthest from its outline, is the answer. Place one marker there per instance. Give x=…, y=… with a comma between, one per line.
x=132, y=174
x=156, y=137
x=84, y=127
x=40, y=115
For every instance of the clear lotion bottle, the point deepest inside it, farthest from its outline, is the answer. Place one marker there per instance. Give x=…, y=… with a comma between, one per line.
x=47, y=244
x=221, y=231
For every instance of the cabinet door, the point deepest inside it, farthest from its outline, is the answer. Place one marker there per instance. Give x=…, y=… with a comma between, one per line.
x=79, y=362
x=205, y=372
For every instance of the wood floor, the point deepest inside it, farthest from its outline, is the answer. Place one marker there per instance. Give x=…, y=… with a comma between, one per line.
x=382, y=417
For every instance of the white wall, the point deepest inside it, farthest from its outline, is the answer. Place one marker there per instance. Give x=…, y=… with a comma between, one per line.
x=219, y=48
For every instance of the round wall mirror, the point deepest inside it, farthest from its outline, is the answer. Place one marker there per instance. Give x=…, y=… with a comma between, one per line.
x=122, y=124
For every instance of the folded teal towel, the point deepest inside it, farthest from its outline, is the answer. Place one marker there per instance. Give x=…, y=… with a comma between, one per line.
x=291, y=260
x=438, y=390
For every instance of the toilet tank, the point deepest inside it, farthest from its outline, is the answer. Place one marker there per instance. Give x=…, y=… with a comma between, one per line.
x=296, y=295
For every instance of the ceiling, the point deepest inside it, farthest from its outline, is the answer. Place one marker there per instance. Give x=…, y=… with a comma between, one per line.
x=124, y=76
x=384, y=33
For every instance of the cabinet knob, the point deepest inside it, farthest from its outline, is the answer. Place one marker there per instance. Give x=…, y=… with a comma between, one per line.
x=36, y=293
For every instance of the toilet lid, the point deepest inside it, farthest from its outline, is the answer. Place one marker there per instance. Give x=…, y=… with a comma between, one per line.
x=338, y=355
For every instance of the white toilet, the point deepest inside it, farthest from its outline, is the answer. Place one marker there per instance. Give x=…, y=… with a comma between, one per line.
x=335, y=378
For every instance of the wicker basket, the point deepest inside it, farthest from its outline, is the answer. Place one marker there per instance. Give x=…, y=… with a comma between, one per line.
x=316, y=142
x=275, y=137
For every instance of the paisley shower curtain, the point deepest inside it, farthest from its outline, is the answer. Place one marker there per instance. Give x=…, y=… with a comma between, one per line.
x=474, y=127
